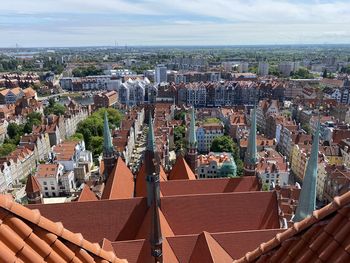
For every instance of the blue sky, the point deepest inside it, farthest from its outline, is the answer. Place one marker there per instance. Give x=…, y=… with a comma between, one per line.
x=173, y=22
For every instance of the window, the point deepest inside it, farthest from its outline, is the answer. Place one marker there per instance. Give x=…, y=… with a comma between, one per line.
x=45, y=183
x=45, y=188
x=52, y=188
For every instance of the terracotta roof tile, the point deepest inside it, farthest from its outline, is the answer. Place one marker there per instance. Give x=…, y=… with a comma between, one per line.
x=32, y=185
x=181, y=170
x=87, y=195
x=120, y=183
x=24, y=238
x=141, y=188
x=145, y=228
x=138, y=251
x=206, y=186
x=207, y=250
x=322, y=237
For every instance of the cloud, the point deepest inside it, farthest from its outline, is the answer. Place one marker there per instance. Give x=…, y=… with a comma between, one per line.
x=92, y=22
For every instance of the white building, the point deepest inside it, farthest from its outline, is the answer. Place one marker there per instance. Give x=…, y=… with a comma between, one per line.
x=215, y=165
x=206, y=133
x=286, y=68
x=161, y=74
x=243, y=67
x=263, y=68
x=54, y=181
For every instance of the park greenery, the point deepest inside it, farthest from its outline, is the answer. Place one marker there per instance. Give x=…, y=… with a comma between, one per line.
x=302, y=73
x=87, y=71
x=15, y=131
x=180, y=137
x=211, y=120
x=91, y=129
x=54, y=108
x=226, y=144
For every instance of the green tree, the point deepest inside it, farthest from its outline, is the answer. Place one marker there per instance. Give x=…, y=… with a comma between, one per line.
x=6, y=149
x=325, y=73
x=226, y=144
x=33, y=118
x=77, y=137
x=92, y=128
x=222, y=144
x=54, y=108
x=306, y=127
x=96, y=145
x=180, y=115
x=15, y=131
x=179, y=136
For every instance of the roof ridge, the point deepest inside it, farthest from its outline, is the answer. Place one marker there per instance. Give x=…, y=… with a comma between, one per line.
x=317, y=215
x=56, y=228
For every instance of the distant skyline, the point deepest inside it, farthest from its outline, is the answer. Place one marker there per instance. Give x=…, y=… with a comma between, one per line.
x=60, y=23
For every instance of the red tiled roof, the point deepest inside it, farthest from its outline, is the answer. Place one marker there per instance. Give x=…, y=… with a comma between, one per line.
x=26, y=236
x=207, y=186
x=87, y=195
x=193, y=214
x=121, y=219
x=141, y=188
x=145, y=228
x=321, y=237
x=138, y=251
x=32, y=185
x=181, y=170
x=120, y=183
x=207, y=250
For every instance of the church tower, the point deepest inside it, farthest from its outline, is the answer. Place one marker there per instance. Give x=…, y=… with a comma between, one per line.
x=191, y=153
x=251, y=155
x=109, y=156
x=307, y=198
x=152, y=164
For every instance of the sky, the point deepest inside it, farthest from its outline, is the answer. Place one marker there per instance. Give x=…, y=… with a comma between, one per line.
x=55, y=23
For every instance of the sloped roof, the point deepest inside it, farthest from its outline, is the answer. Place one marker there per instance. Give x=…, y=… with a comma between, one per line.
x=145, y=228
x=138, y=251
x=121, y=219
x=120, y=183
x=141, y=187
x=207, y=250
x=207, y=186
x=32, y=185
x=181, y=170
x=192, y=214
x=26, y=236
x=321, y=237
x=87, y=195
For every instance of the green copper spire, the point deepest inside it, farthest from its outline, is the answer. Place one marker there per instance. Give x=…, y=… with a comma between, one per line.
x=192, y=139
x=150, y=139
x=307, y=199
x=107, y=139
x=251, y=153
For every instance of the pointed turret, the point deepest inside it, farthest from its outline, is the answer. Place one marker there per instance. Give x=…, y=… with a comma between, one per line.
x=251, y=156
x=153, y=193
x=108, y=149
x=191, y=153
x=307, y=199
x=33, y=190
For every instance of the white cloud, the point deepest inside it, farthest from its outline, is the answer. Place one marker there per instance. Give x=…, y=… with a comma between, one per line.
x=177, y=22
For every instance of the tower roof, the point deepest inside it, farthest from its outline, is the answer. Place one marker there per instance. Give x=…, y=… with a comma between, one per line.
x=192, y=139
x=307, y=199
x=87, y=195
x=181, y=170
x=251, y=153
x=120, y=183
x=207, y=250
x=32, y=185
x=107, y=139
